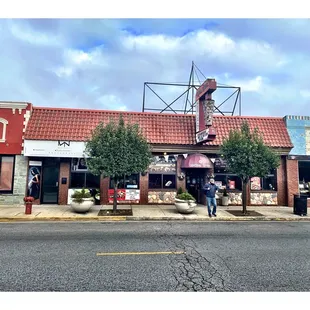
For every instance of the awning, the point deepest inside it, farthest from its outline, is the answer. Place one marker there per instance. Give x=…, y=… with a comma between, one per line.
x=197, y=161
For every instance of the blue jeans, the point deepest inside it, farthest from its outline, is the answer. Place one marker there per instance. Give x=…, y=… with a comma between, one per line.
x=211, y=201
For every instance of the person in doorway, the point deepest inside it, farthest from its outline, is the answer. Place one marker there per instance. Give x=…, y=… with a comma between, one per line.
x=210, y=190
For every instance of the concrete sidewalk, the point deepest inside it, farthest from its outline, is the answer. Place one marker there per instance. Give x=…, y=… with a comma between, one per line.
x=144, y=212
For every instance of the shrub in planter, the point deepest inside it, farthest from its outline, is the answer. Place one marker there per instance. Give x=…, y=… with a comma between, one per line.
x=82, y=200
x=185, y=203
x=180, y=191
x=225, y=198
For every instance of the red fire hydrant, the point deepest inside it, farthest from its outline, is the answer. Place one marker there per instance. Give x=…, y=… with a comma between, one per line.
x=28, y=203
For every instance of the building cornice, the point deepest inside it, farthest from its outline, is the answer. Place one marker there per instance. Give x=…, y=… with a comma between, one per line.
x=13, y=105
x=187, y=149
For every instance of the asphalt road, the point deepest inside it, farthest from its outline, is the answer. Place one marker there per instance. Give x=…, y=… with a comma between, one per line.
x=234, y=256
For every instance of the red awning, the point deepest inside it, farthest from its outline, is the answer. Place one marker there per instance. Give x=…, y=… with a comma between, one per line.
x=197, y=161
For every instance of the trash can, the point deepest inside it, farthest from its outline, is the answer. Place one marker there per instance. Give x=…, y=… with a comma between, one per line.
x=300, y=205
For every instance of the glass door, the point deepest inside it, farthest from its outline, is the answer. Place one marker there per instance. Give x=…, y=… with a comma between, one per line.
x=50, y=179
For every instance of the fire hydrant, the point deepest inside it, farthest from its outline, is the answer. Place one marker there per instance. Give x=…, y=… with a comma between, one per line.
x=28, y=203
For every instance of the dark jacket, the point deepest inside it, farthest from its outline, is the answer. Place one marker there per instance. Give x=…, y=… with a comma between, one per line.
x=210, y=190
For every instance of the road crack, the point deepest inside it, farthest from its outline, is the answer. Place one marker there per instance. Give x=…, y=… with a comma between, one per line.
x=191, y=270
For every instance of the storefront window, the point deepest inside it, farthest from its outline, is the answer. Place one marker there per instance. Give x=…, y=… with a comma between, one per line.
x=6, y=174
x=84, y=180
x=268, y=183
x=304, y=177
x=80, y=177
x=129, y=182
x=229, y=181
x=162, y=181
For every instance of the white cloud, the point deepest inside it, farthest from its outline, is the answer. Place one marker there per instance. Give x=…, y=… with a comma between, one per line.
x=63, y=72
x=94, y=64
x=305, y=93
x=33, y=37
x=248, y=85
x=78, y=56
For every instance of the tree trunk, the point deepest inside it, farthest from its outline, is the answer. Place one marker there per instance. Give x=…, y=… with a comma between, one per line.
x=244, y=195
x=115, y=195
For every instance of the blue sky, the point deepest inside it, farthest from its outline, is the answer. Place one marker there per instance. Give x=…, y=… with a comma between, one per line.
x=103, y=63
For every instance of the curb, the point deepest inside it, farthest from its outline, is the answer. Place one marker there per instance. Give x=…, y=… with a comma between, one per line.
x=135, y=219
x=64, y=219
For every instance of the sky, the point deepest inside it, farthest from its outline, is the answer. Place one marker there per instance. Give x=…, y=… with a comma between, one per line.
x=104, y=63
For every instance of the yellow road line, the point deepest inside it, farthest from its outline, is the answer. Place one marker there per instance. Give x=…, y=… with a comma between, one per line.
x=138, y=253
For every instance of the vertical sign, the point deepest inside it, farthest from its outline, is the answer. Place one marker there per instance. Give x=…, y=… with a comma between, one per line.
x=208, y=107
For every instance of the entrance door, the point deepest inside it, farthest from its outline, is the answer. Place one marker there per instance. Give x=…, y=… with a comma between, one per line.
x=195, y=183
x=50, y=179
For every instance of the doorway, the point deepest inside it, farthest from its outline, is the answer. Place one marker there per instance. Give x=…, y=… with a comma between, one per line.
x=195, y=180
x=50, y=179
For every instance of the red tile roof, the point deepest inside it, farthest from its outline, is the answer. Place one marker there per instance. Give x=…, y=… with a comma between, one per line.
x=159, y=128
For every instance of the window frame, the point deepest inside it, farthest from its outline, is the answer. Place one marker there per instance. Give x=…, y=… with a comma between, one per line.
x=273, y=173
x=85, y=174
x=124, y=182
x=162, y=182
x=13, y=174
x=227, y=175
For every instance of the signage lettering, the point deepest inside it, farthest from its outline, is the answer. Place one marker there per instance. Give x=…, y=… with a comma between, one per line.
x=197, y=116
x=64, y=143
x=208, y=106
x=202, y=135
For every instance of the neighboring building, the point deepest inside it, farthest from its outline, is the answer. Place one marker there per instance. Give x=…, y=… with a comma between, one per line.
x=55, y=142
x=299, y=130
x=13, y=165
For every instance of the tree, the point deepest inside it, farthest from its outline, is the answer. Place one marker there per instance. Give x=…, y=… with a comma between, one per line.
x=247, y=156
x=117, y=150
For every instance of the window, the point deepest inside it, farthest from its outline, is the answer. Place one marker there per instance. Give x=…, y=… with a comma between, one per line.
x=268, y=183
x=3, y=124
x=128, y=182
x=6, y=174
x=84, y=179
x=229, y=181
x=162, y=181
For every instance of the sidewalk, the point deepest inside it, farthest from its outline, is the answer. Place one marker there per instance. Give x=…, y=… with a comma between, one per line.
x=143, y=213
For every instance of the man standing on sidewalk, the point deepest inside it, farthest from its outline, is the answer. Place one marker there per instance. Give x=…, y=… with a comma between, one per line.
x=210, y=190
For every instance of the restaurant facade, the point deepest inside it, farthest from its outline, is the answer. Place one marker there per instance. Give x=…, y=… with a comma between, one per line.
x=54, y=145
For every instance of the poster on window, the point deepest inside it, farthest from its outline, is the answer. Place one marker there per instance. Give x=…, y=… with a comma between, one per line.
x=219, y=184
x=255, y=183
x=231, y=184
x=34, y=180
x=125, y=196
x=78, y=164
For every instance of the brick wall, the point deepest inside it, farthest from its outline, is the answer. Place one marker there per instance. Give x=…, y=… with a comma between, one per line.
x=64, y=172
x=144, y=185
x=282, y=183
x=292, y=180
x=104, y=188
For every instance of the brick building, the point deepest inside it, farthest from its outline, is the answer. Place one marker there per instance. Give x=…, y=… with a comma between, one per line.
x=55, y=141
x=299, y=131
x=13, y=165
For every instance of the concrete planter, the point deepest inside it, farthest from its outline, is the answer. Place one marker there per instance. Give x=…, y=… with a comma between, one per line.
x=185, y=206
x=225, y=200
x=82, y=207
